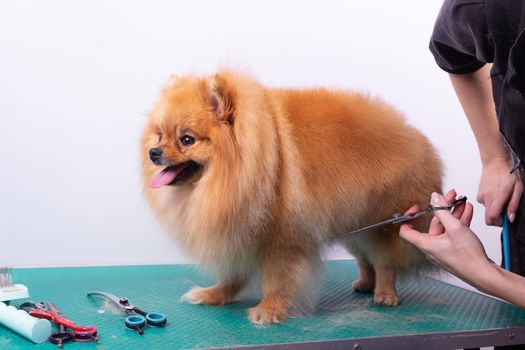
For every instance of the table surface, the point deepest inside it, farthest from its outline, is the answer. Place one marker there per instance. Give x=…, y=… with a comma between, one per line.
x=428, y=307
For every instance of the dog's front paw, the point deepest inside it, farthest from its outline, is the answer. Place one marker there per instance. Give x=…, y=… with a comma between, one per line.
x=386, y=299
x=266, y=315
x=207, y=296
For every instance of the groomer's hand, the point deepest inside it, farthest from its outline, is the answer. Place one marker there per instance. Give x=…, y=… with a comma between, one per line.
x=499, y=190
x=449, y=243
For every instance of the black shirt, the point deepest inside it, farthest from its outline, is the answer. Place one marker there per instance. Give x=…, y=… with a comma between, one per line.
x=470, y=33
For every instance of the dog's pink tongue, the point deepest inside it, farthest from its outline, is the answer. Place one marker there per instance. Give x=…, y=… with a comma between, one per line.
x=165, y=177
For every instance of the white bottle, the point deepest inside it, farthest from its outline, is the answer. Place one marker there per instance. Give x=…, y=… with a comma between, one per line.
x=35, y=329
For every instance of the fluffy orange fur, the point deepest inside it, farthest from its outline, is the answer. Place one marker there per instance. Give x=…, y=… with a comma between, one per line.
x=280, y=173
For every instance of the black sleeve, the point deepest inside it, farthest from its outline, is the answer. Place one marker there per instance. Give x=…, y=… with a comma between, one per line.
x=460, y=41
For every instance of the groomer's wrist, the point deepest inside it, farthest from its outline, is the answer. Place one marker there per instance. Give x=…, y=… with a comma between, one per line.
x=481, y=273
x=488, y=278
x=495, y=159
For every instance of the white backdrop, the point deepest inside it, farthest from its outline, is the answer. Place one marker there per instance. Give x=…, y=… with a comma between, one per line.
x=77, y=78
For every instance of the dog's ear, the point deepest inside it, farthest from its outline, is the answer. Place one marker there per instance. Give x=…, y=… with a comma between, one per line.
x=222, y=99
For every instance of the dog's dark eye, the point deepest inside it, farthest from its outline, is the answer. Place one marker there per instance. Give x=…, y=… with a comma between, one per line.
x=160, y=137
x=187, y=140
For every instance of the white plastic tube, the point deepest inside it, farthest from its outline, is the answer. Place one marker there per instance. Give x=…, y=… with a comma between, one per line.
x=35, y=329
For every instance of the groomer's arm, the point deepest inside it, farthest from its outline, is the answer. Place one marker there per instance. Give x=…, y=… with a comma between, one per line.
x=498, y=189
x=504, y=284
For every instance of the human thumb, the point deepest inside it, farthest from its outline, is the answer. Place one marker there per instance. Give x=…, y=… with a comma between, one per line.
x=408, y=233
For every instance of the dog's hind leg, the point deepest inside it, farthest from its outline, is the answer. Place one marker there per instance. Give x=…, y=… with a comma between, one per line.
x=289, y=281
x=379, y=254
x=367, y=277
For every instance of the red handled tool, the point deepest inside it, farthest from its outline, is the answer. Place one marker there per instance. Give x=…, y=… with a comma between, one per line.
x=79, y=333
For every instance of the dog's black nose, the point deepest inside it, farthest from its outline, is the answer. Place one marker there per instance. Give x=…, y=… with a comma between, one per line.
x=155, y=154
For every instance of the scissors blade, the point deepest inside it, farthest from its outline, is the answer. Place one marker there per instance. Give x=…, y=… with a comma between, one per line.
x=120, y=302
x=397, y=218
x=54, y=309
x=393, y=220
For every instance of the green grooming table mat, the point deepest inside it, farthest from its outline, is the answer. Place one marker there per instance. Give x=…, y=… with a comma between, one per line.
x=432, y=314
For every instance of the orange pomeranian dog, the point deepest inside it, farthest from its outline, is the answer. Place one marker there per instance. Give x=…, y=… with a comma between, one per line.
x=254, y=179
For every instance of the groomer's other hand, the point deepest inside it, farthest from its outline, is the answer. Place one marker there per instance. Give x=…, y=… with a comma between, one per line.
x=449, y=243
x=499, y=190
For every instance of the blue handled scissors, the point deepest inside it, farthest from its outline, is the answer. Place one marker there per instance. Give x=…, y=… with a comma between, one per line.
x=137, y=319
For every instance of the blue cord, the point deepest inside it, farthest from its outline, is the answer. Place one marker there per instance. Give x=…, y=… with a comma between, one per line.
x=506, y=245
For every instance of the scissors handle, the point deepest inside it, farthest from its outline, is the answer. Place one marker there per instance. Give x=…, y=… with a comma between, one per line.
x=83, y=332
x=88, y=334
x=61, y=338
x=431, y=209
x=156, y=319
x=452, y=204
x=136, y=322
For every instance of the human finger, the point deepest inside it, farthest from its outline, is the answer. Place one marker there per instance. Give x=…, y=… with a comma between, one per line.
x=458, y=210
x=413, y=209
x=494, y=210
x=492, y=218
x=466, y=217
x=514, y=202
x=445, y=217
x=451, y=195
x=436, y=227
x=411, y=235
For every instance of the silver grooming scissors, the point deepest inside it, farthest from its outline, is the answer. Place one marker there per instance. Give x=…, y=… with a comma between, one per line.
x=398, y=218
